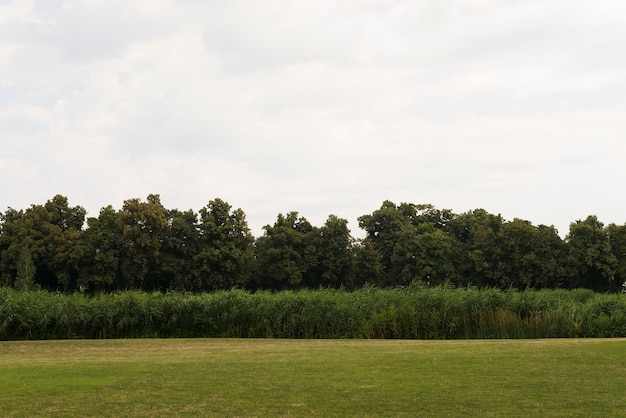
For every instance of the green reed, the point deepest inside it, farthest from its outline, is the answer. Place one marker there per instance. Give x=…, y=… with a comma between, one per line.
x=413, y=312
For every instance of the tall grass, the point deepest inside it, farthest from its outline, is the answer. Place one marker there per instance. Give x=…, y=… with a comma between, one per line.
x=410, y=313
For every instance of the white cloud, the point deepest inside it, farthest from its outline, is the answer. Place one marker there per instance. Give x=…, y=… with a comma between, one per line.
x=322, y=107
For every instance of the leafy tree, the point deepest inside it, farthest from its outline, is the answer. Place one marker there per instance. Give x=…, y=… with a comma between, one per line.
x=426, y=214
x=592, y=263
x=617, y=241
x=225, y=247
x=180, y=245
x=39, y=235
x=527, y=256
x=552, y=253
x=51, y=234
x=26, y=269
x=476, y=232
x=329, y=251
x=143, y=226
x=424, y=254
x=282, y=257
x=367, y=267
x=383, y=228
x=10, y=245
x=101, y=262
x=413, y=243
x=64, y=246
x=65, y=217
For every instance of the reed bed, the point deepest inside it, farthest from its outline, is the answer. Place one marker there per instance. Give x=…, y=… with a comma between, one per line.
x=409, y=313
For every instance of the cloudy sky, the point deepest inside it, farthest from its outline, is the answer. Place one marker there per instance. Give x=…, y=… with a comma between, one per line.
x=322, y=107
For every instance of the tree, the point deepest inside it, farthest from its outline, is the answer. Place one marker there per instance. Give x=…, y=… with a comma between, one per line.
x=383, y=228
x=225, y=247
x=10, y=248
x=26, y=269
x=100, y=267
x=527, y=256
x=367, y=267
x=180, y=245
x=552, y=253
x=424, y=254
x=426, y=214
x=591, y=261
x=143, y=226
x=413, y=243
x=476, y=232
x=64, y=246
x=617, y=241
x=329, y=251
x=64, y=216
x=52, y=235
x=36, y=232
x=282, y=258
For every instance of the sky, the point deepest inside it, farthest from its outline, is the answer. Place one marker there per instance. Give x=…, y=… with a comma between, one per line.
x=324, y=107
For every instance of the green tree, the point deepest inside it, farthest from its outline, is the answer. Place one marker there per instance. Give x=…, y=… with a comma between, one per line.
x=69, y=246
x=591, y=261
x=39, y=235
x=418, y=214
x=424, y=254
x=180, y=245
x=64, y=216
x=476, y=232
x=26, y=269
x=225, y=247
x=101, y=261
x=329, y=251
x=552, y=252
x=367, y=267
x=383, y=228
x=143, y=226
x=52, y=235
x=282, y=257
x=527, y=256
x=617, y=241
x=413, y=243
x=10, y=245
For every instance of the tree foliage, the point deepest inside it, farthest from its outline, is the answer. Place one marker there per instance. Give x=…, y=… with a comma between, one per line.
x=283, y=254
x=224, y=247
x=146, y=246
x=591, y=259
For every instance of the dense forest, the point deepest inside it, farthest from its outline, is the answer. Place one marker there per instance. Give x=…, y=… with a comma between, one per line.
x=145, y=246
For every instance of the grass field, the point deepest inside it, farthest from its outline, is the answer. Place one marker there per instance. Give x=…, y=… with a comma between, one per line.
x=272, y=377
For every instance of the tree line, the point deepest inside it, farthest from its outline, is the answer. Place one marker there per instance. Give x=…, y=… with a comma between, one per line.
x=145, y=246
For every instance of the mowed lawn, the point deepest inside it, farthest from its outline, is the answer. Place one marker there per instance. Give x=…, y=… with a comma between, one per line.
x=266, y=377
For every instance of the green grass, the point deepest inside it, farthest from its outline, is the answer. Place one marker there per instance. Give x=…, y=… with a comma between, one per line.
x=267, y=377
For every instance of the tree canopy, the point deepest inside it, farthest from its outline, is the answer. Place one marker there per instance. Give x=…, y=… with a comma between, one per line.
x=144, y=245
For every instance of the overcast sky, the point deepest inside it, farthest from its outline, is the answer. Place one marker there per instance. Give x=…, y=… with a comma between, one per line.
x=320, y=107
